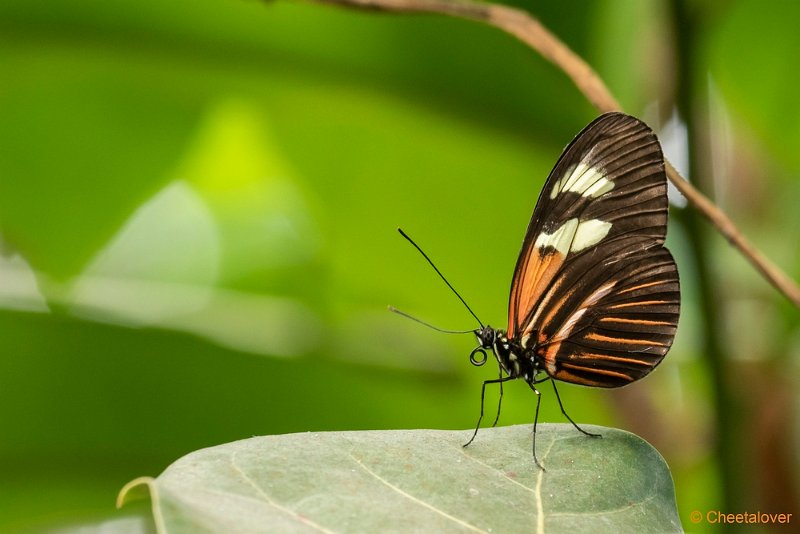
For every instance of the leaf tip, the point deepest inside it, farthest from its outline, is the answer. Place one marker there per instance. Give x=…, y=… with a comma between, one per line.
x=134, y=490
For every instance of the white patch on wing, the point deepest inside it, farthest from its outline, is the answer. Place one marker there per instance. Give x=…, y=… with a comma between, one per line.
x=574, y=236
x=561, y=239
x=589, y=233
x=585, y=180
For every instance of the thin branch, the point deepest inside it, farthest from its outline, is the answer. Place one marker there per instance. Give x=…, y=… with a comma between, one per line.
x=530, y=31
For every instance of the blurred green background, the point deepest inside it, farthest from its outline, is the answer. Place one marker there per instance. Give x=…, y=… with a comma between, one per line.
x=198, y=204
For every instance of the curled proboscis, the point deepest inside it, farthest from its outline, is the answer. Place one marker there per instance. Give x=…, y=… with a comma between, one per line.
x=474, y=357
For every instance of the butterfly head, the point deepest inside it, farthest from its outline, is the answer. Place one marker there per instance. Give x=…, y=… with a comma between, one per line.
x=490, y=339
x=506, y=351
x=486, y=338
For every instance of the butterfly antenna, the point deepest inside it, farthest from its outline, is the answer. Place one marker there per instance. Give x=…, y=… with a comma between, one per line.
x=464, y=302
x=420, y=321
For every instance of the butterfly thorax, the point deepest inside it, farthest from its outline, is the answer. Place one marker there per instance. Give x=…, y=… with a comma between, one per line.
x=514, y=360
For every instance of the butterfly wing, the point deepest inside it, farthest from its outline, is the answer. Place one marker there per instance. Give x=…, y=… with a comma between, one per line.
x=617, y=321
x=593, y=286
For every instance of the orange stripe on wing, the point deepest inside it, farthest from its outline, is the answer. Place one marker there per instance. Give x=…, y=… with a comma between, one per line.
x=623, y=341
x=604, y=372
x=641, y=303
x=537, y=276
x=537, y=272
x=642, y=286
x=635, y=321
x=566, y=376
x=530, y=286
x=549, y=357
x=619, y=359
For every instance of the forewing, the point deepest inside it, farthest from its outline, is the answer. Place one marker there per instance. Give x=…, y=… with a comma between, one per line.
x=606, y=322
x=605, y=196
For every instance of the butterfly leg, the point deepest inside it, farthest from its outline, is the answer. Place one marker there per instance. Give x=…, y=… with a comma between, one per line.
x=535, y=423
x=570, y=418
x=483, y=393
x=499, y=402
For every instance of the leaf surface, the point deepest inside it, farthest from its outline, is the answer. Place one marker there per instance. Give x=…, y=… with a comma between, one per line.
x=420, y=480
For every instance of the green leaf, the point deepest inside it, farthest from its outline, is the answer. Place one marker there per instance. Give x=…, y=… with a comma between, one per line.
x=419, y=480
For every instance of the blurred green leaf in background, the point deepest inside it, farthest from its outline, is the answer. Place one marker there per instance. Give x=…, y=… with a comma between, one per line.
x=198, y=204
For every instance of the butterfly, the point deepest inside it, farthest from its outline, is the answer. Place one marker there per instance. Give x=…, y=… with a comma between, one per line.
x=595, y=295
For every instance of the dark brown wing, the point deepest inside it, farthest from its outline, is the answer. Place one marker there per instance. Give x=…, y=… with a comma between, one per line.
x=595, y=241
x=609, y=321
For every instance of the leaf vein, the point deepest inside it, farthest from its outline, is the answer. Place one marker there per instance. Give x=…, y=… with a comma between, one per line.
x=494, y=469
x=264, y=495
x=415, y=499
x=538, y=493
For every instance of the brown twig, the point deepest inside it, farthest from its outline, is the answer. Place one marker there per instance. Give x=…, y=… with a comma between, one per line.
x=530, y=31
